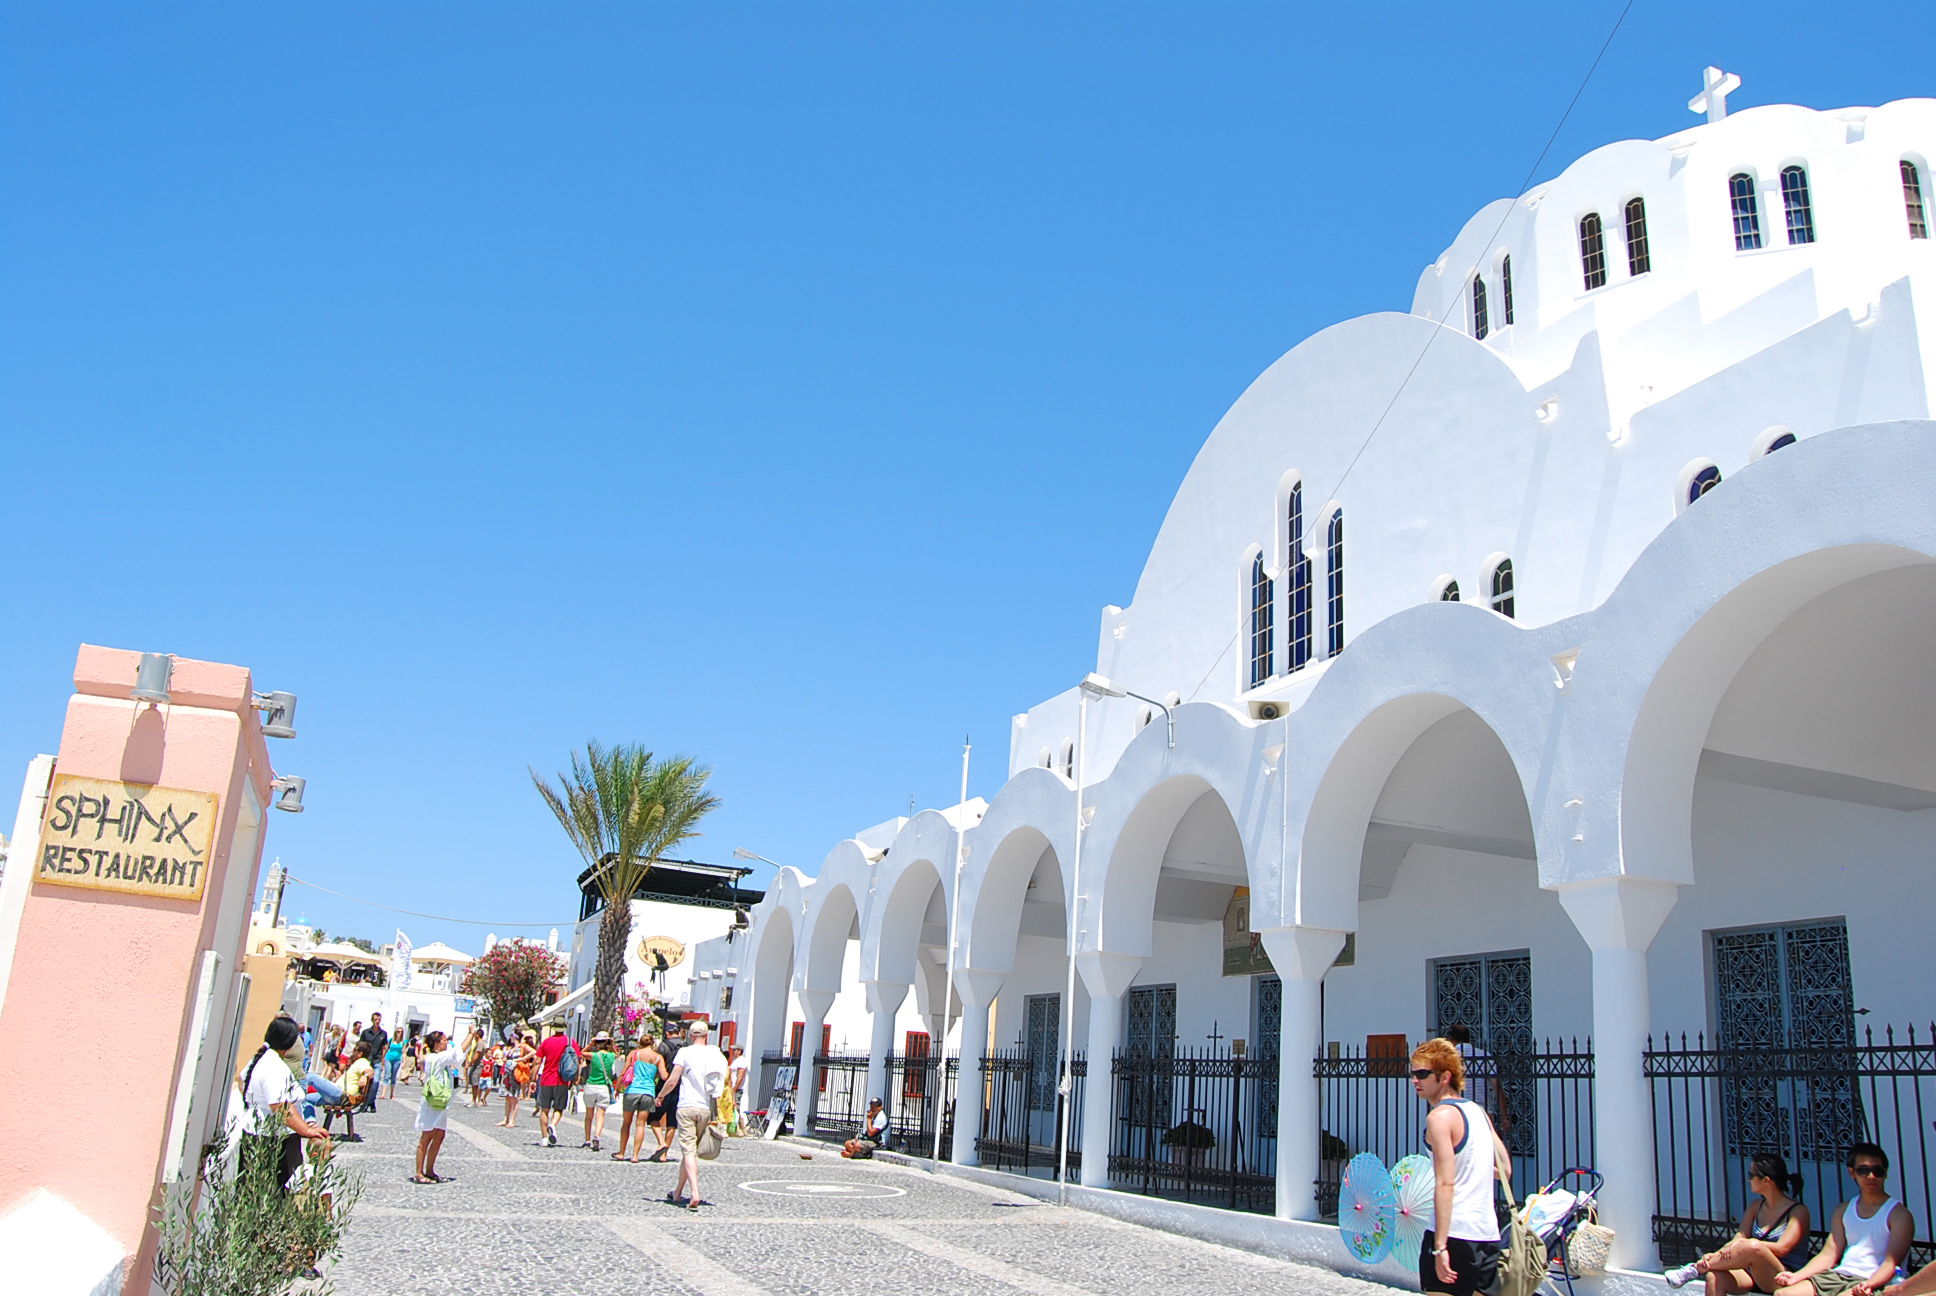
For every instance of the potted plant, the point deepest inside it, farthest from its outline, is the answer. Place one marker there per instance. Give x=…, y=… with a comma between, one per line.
x=1188, y=1141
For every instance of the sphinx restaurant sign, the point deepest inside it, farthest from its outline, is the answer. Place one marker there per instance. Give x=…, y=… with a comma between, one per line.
x=130, y=837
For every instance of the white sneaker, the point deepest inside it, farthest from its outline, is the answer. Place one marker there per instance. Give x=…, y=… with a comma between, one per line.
x=1682, y=1276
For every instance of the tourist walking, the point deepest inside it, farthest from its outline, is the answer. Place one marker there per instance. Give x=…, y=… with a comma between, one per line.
x=596, y=1084
x=433, y=1110
x=392, y=1061
x=554, y=1087
x=665, y=1117
x=641, y=1077
x=1461, y=1251
x=519, y=1070
x=474, y=1065
x=700, y=1074
x=376, y=1046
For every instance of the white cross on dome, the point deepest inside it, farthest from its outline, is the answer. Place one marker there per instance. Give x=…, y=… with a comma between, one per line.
x=1716, y=86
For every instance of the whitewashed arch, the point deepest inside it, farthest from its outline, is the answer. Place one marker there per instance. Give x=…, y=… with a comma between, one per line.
x=835, y=905
x=920, y=859
x=1034, y=811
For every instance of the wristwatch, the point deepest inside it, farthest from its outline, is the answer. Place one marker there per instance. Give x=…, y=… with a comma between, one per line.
x=1444, y=1250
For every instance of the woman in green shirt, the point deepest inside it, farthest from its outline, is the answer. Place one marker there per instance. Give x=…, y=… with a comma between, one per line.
x=597, y=1075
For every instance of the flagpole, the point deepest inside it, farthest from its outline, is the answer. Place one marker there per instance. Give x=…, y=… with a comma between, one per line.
x=954, y=933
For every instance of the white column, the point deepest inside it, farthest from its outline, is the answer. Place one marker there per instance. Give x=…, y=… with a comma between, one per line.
x=883, y=1000
x=977, y=990
x=1301, y=955
x=1619, y=918
x=1107, y=977
x=806, y=1093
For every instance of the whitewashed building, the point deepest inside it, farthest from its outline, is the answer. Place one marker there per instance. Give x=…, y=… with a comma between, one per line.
x=1552, y=658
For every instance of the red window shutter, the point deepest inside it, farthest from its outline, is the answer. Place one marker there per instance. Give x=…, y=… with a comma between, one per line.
x=793, y=1040
x=914, y=1049
x=826, y=1047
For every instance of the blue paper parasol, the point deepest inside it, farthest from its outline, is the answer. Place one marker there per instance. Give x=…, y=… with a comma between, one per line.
x=1412, y=1184
x=1367, y=1211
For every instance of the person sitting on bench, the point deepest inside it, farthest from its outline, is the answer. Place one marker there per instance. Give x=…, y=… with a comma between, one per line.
x=356, y=1086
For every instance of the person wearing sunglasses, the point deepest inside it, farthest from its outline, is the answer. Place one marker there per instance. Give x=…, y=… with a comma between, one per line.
x=1866, y=1243
x=1461, y=1253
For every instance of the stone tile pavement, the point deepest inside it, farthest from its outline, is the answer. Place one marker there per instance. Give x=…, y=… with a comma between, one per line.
x=523, y=1218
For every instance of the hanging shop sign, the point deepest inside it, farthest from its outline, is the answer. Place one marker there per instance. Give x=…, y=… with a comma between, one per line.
x=674, y=951
x=134, y=838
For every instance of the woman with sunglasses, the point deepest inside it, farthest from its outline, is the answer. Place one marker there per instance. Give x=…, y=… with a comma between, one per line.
x=1867, y=1242
x=1461, y=1253
x=1768, y=1242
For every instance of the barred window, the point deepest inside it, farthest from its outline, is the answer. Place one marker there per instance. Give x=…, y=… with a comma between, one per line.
x=1593, y=252
x=1263, y=630
x=1746, y=210
x=1297, y=569
x=1912, y=200
x=1334, y=585
x=1505, y=288
x=1704, y=481
x=1479, y=325
x=1639, y=262
x=1795, y=205
x=1502, y=588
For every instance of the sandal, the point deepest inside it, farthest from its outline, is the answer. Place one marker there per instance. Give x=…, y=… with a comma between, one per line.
x=437, y=1178
x=419, y=1179
x=696, y=1203
x=673, y=1200
x=620, y=1156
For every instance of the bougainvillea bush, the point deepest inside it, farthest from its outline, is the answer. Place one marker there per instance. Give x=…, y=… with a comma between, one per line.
x=513, y=981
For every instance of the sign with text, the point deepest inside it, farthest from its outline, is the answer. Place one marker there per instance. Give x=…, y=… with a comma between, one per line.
x=131, y=837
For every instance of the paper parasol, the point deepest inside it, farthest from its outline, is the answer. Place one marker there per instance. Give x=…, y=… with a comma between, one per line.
x=1412, y=1184
x=1366, y=1211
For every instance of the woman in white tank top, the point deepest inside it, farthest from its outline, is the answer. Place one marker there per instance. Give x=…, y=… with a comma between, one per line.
x=1461, y=1253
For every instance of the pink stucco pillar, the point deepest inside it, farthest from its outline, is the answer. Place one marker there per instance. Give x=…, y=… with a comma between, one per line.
x=118, y=970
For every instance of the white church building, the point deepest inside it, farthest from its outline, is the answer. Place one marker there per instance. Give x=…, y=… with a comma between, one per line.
x=1554, y=658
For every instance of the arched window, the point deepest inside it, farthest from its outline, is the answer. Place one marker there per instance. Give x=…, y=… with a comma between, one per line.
x=1781, y=442
x=1702, y=482
x=1912, y=200
x=1297, y=568
x=1747, y=212
x=1048, y=759
x=1263, y=631
x=1795, y=206
x=1593, y=252
x=1449, y=592
x=1502, y=588
x=1479, y=325
x=1069, y=761
x=1505, y=288
x=1639, y=260
x=1334, y=585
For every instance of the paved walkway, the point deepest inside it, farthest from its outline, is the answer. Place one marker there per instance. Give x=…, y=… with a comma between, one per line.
x=522, y=1218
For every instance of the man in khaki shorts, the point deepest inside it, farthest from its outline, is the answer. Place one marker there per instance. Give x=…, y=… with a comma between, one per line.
x=698, y=1075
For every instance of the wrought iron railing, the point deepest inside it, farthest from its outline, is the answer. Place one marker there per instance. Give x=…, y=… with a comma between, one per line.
x=1196, y=1125
x=1022, y=1110
x=1716, y=1109
x=913, y=1098
x=841, y=1105
x=1540, y=1100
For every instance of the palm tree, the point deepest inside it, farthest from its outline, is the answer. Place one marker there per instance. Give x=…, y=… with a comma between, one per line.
x=624, y=811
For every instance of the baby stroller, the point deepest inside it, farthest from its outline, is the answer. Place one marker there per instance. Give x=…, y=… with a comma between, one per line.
x=1556, y=1214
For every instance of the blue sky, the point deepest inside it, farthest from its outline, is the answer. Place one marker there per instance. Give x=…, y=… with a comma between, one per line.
x=785, y=385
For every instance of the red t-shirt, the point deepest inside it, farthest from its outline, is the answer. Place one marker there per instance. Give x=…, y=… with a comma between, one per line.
x=548, y=1054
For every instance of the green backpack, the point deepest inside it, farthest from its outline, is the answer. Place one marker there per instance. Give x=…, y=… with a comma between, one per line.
x=1523, y=1266
x=438, y=1088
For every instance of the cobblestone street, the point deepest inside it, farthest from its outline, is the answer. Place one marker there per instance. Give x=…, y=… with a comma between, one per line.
x=519, y=1217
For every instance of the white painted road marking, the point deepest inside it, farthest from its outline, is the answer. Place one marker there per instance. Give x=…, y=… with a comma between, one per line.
x=819, y=1188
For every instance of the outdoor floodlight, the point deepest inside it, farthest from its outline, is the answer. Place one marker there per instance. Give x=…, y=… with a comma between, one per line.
x=291, y=787
x=151, y=678
x=1100, y=686
x=278, y=713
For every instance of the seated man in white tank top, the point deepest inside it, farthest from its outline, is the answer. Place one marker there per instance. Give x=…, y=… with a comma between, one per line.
x=1867, y=1242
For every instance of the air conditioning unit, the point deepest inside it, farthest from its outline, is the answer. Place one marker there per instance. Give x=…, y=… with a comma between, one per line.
x=1266, y=710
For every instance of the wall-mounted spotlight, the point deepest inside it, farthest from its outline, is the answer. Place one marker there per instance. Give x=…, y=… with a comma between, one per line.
x=291, y=789
x=278, y=713
x=151, y=678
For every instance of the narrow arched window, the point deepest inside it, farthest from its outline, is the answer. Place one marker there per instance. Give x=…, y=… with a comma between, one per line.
x=1449, y=592
x=1912, y=200
x=1639, y=260
x=1502, y=588
x=1069, y=761
x=1505, y=289
x=1297, y=569
x=1795, y=206
x=1263, y=630
x=1781, y=442
x=1702, y=482
x=1334, y=585
x=1593, y=251
x=1479, y=325
x=1746, y=211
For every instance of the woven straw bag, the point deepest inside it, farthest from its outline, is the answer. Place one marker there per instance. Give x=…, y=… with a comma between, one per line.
x=1587, y=1250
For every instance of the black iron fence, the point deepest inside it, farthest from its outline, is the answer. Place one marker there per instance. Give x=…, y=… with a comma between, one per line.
x=1022, y=1112
x=1716, y=1109
x=1196, y=1125
x=919, y=1089
x=841, y=1106
x=1541, y=1101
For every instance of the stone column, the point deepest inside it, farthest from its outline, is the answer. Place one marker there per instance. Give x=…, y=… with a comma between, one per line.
x=977, y=990
x=1619, y=918
x=883, y=1000
x=1301, y=955
x=1107, y=977
x=806, y=1092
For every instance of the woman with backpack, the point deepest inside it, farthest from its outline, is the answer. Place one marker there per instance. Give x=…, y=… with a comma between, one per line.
x=433, y=1113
